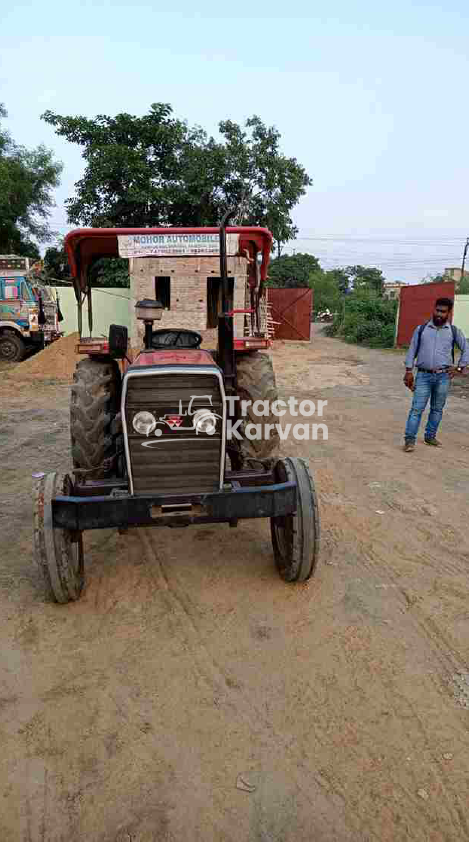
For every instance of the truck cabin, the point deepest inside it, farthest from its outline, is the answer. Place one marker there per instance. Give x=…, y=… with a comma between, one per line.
x=16, y=283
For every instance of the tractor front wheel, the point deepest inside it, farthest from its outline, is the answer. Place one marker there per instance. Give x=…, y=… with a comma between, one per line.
x=94, y=416
x=58, y=552
x=255, y=379
x=295, y=537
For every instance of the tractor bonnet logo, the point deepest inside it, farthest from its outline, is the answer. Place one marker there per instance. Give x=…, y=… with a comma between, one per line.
x=201, y=419
x=172, y=421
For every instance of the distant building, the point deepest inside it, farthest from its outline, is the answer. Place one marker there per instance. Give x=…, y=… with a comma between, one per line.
x=454, y=274
x=393, y=288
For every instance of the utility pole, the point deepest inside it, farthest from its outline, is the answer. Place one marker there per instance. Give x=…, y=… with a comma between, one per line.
x=464, y=259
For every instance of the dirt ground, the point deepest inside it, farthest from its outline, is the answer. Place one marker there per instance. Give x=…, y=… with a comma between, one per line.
x=192, y=695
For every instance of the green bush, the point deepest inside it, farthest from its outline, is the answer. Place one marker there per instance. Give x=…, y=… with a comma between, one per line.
x=365, y=319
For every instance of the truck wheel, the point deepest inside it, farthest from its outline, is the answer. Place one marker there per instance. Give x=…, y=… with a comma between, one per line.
x=58, y=552
x=295, y=538
x=256, y=382
x=12, y=347
x=94, y=415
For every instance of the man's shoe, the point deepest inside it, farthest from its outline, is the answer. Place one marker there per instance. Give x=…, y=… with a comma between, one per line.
x=433, y=442
x=409, y=446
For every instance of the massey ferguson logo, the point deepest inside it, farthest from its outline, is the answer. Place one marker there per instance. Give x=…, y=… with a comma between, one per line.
x=199, y=417
x=172, y=421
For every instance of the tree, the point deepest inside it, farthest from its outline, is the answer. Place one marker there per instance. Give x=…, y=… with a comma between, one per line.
x=366, y=319
x=156, y=170
x=463, y=288
x=293, y=270
x=365, y=277
x=56, y=263
x=327, y=294
x=434, y=279
x=111, y=272
x=27, y=178
x=341, y=278
x=106, y=272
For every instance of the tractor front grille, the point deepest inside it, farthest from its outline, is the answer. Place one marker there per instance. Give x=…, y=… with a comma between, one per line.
x=179, y=460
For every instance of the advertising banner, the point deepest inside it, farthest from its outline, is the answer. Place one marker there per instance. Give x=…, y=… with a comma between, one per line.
x=175, y=245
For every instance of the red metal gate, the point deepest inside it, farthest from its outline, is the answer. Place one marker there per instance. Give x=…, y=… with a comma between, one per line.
x=291, y=308
x=416, y=305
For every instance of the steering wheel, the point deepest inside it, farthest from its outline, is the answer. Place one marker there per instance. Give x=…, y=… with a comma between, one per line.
x=168, y=338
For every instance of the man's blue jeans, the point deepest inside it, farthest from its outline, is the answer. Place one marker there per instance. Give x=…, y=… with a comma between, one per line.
x=435, y=387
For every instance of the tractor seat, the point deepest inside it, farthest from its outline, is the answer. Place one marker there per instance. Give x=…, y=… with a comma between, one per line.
x=175, y=338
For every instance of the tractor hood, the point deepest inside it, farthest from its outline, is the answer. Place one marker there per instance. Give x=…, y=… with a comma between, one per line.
x=85, y=246
x=173, y=357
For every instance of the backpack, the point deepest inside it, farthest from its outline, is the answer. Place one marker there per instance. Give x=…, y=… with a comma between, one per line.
x=419, y=339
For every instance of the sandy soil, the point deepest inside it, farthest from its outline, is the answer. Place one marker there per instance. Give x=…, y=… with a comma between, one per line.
x=189, y=667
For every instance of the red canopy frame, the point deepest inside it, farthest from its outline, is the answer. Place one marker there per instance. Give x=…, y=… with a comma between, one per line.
x=86, y=245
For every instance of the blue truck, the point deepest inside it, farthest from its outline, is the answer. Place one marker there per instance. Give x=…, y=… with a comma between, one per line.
x=29, y=312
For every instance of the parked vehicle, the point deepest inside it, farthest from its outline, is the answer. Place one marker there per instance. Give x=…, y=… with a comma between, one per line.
x=29, y=313
x=149, y=436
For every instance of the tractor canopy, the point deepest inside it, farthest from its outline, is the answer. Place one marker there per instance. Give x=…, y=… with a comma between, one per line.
x=84, y=246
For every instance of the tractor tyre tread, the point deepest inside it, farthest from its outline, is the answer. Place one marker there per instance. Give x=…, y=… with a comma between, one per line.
x=256, y=381
x=94, y=404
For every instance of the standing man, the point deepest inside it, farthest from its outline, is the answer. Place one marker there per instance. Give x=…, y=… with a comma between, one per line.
x=433, y=346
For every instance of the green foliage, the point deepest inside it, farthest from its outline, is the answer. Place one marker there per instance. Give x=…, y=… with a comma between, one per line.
x=365, y=278
x=358, y=278
x=106, y=272
x=27, y=178
x=326, y=291
x=293, y=270
x=56, y=264
x=369, y=318
x=365, y=319
x=440, y=278
x=17, y=243
x=463, y=288
x=341, y=279
x=111, y=272
x=156, y=170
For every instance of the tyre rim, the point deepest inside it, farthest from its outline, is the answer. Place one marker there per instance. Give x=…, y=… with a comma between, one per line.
x=74, y=548
x=283, y=527
x=8, y=349
x=75, y=552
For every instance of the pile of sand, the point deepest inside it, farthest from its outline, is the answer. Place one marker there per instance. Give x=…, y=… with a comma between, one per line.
x=56, y=362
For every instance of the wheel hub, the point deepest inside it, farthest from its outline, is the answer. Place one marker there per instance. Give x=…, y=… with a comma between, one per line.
x=8, y=349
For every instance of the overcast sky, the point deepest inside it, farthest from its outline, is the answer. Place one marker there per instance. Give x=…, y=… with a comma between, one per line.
x=373, y=101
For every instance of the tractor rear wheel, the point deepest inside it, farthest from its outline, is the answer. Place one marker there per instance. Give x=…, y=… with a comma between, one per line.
x=295, y=537
x=94, y=416
x=58, y=552
x=256, y=382
x=12, y=347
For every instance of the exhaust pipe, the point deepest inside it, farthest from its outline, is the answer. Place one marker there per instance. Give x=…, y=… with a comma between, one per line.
x=223, y=259
x=226, y=358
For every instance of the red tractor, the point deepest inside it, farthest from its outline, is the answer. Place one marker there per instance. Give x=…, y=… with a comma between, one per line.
x=150, y=437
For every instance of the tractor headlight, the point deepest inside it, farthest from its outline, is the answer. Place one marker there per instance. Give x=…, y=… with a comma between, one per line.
x=205, y=422
x=144, y=423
